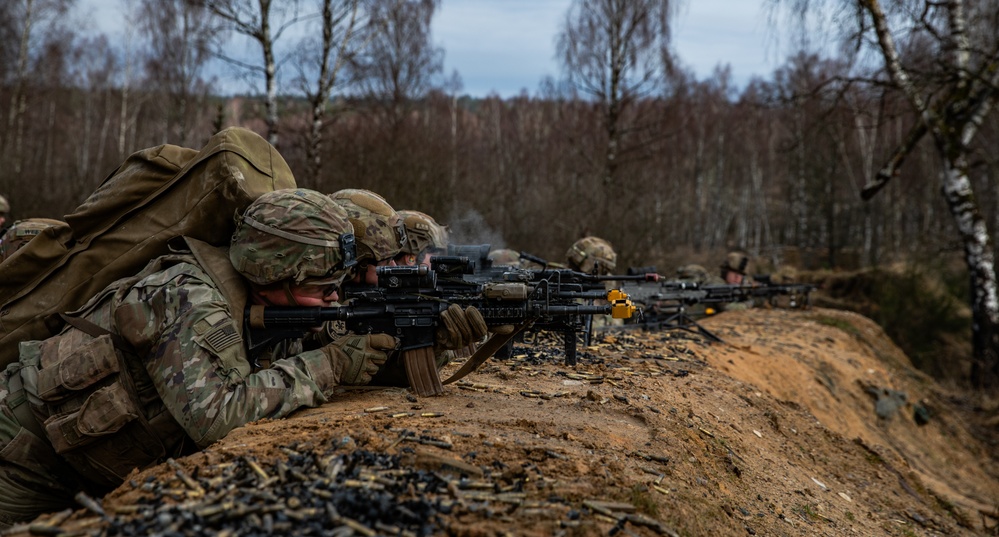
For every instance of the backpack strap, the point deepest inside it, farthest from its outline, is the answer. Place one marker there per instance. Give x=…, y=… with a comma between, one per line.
x=232, y=285
x=94, y=330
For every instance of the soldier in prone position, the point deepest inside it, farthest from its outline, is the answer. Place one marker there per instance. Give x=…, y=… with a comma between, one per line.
x=382, y=240
x=154, y=366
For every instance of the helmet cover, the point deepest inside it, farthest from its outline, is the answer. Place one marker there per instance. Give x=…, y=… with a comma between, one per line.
x=592, y=255
x=293, y=234
x=381, y=233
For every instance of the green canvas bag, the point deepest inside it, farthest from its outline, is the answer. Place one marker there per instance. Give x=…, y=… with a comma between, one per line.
x=155, y=195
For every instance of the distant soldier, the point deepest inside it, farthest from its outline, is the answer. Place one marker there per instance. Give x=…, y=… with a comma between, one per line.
x=524, y=260
x=4, y=210
x=734, y=270
x=424, y=238
x=592, y=255
x=505, y=257
x=697, y=274
x=22, y=231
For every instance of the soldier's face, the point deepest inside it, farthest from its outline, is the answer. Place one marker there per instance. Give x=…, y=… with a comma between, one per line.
x=371, y=277
x=301, y=295
x=405, y=260
x=733, y=278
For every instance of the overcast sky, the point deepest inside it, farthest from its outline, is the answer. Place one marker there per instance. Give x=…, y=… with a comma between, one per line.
x=509, y=45
x=505, y=46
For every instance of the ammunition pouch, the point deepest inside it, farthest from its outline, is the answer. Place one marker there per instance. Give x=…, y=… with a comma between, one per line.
x=88, y=407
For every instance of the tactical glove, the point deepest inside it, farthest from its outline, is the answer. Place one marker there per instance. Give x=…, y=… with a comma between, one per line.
x=360, y=357
x=460, y=327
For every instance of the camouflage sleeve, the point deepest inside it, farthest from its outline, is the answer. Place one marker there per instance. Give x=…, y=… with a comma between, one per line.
x=178, y=321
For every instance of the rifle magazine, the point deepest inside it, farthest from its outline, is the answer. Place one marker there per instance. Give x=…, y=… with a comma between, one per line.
x=421, y=370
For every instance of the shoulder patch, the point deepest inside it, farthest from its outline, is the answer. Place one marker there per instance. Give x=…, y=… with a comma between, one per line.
x=222, y=337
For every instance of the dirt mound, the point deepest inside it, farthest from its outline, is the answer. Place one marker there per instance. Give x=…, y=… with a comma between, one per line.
x=800, y=423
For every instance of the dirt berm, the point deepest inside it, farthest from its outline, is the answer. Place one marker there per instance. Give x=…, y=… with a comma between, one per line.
x=802, y=422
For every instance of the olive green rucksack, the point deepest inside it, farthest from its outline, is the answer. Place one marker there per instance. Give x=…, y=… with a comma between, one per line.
x=155, y=195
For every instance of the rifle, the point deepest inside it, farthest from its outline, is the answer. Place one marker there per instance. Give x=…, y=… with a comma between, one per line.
x=408, y=301
x=666, y=303
x=595, y=284
x=483, y=270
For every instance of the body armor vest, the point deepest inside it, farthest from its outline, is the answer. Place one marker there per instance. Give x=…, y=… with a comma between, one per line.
x=91, y=392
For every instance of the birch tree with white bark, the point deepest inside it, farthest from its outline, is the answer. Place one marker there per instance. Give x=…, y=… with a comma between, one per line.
x=263, y=22
x=943, y=57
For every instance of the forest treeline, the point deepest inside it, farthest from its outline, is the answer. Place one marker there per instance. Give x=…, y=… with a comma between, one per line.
x=701, y=165
x=625, y=143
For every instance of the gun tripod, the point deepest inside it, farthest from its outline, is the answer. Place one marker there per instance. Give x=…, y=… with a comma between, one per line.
x=680, y=320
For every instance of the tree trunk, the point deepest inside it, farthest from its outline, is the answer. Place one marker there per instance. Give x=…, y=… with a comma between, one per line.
x=980, y=257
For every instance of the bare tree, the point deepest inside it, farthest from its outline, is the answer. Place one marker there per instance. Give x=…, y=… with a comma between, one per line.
x=28, y=14
x=320, y=63
x=616, y=51
x=943, y=57
x=399, y=62
x=263, y=21
x=177, y=35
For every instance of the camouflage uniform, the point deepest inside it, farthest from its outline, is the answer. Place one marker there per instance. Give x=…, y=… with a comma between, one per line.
x=153, y=367
x=22, y=231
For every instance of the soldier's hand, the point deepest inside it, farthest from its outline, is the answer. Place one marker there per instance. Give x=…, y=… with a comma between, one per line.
x=362, y=356
x=460, y=327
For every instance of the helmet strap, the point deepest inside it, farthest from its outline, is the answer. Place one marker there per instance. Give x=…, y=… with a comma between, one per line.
x=286, y=285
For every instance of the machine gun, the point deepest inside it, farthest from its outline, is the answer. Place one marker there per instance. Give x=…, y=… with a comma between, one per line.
x=483, y=270
x=408, y=301
x=666, y=304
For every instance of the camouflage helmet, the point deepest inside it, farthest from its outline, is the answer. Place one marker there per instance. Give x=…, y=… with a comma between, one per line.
x=422, y=233
x=592, y=255
x=735, y=262
x=22, y=231
x=692, y=272
x=504, y=256
x=4, y=205
x=380, y=231
x=293, y=235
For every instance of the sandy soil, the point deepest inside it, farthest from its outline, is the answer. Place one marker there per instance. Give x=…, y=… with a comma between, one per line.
x=802, y=422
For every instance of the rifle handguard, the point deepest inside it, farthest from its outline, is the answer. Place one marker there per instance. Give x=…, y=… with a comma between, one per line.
x=621, y=306
x=505, y=291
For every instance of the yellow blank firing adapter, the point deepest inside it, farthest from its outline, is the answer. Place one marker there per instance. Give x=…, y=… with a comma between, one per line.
x=621, y=306
x=709, y=311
